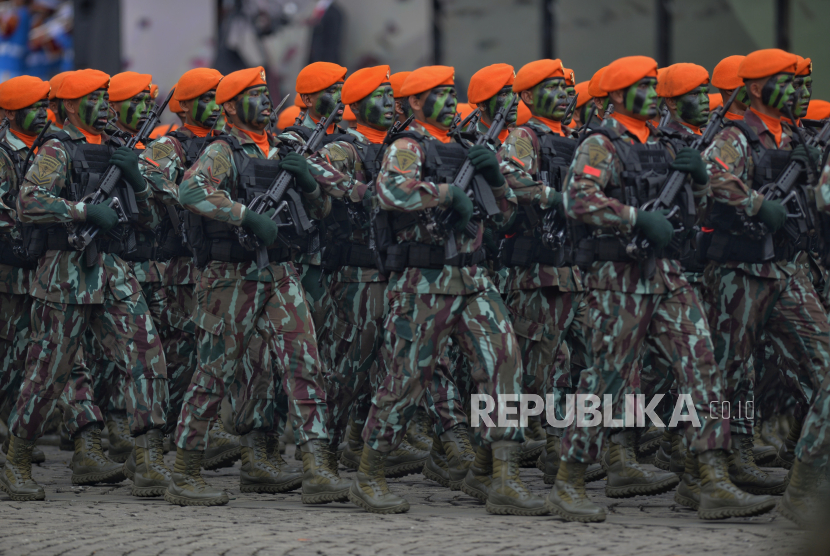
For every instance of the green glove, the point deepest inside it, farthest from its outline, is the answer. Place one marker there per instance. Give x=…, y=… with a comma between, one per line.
x=811, y=160
x=127, y=161
x=261, y=226
x=485, y=162
x=688, y=160
x=773, y=214
x=191, y=195
x=558, y=202
x=462, y=205
x=655, y=226
x=102, y=216
x=297, y=166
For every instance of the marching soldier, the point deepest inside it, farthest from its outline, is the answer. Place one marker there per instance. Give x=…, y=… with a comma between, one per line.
x=725, y=78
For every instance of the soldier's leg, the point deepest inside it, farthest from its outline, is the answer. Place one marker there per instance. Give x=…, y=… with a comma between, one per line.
x=15, y=321
x=179, y=344
x=314, y=282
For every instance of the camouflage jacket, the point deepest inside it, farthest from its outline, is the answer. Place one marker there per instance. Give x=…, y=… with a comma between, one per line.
x=520, y=163
x=401, y=189
x=595, y=167
x=62, y=276
x=216, y=173
x=12, y=279
x=338, y=169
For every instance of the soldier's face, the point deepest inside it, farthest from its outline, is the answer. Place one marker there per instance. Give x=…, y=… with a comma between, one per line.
x=32, y=119
x=132, y=113
x=778, y=91
x=440, y=105
x=804, y=88
x=253, y=107
x=378, y=109
x=693, y=107
x=743, y=96
x=550, y=98
x=641, y=98
x=205, y=110
x=93, y=110
x=497, y=103
x=324, y=102
x=56, y=105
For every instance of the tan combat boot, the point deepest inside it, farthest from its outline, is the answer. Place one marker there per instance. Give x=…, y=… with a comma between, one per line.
x=460, y=454
x=354, y=447
x=480, y=475
x=670, y=456
x=534, y=443
x=258, y=473
x=321, y=481
x=626, y=477
x=187, y=487
x=38, y=456
x=89, y=464
x=745, y=473
x=762, y=453
x=552, y=456
x=369, y=489
x=223, y=448
x=275, y=456
x=120, y=439
x=786, y=454
x=418, y=434
x=150, y=475
x=405, y=460
x=16, y=477
x=799, y=503
x=567, y=497
x=508, y=495
x=436, y=468
x=719, y=497
x=688, y=493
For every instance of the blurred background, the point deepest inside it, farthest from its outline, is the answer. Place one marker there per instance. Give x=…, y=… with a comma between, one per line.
x=168, y=37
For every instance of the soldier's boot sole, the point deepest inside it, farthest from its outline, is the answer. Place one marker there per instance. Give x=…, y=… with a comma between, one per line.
x=753, y=489
x=358, y=501
x=185, y=501
x=119, y=456
x=649, y=447
x=432, y=475
x=686, y=501
x=509, y=509
x=36, y=497
x=149, y=491
x=404, y=469
x=528, y=459
x=660, y=463
x=726, y=513
x=595, y=472
x=326, y=497
x=114, y=476
x=222, y=459
x=785, y=510
x=272, y=488
x=351, y=460
x=629, y=491
x=568, y=516
x=477, y=492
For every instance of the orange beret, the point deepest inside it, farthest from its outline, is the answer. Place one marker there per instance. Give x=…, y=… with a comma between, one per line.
x=55, y=82
x=464, y=109
x=766, y=62
x=348, y=114
x=715, y=101
x=584, y=95
x=725, y=74
x=22, y=91
x=396, y=80
x=298, y=101
x=804, y=67
x=593, y=85
x=487, y=82
x=818, y=110
x=154, y=90
x=679, y=79
x=362, y=83
x=174, y=105
x=318, y=76
x=523, y=114
x=288, y=116
x=196, y=82
x=128, y=84
x=236, y=82
x=626, y=71
x=426, y=78
x=82, y=82
x=51, y=115
x=570, y=80
x=534, y=73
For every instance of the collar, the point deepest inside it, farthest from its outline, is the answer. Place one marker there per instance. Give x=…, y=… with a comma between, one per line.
x=734, y=117
x=635, y=128
x=311, y=123
x=77, y=133
x=771, y=125
x=435, y=132
x=14, y=141
x=196, y=130
x=258, y=139
x=553, y=125
x=29, y=140
x=371, y=134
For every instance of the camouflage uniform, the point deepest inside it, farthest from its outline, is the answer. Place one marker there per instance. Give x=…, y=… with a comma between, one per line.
x=626, y=310
x=235, y=300
x=71, y=298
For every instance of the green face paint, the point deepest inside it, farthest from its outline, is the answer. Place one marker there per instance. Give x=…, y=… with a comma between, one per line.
x=743, y=96
x=325, y=101
x=133, y=112
x=778, y=90
x=440, y=105
x=93, y=110
x=804, y=88
x=32, y=119
x=205, y=110
x=253, y=107
x=693, y=107
x=378, y=109
x=641, y=98
x=497, y=103
x=550, y=99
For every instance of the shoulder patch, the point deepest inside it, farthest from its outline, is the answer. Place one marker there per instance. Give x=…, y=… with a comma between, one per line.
x=161, y=150
x=221, y=165
x=729, y=154
x=596, y=154
x=46, y=166
x=337, y=153
x=405, y=159
x=524, y=147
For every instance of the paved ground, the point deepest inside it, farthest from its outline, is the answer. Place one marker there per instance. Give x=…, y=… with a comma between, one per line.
x=107, y=520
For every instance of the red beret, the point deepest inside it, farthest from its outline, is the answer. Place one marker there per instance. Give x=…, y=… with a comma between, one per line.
x=583, y=92
x=22, y=91
x=196, y=82
x=128, y=84
x=55, y=82
x=487, y=82
x=570, y=80
x=593, y=85
x=236, y=82
x=396, y=80
x=534, y=73
x=679, y=79
x=715, y=100
x=818, y=110
x=288, y=116
x=805, y=66
x=626, y=71
x=766, y=62
x=363, y=83
x=426, y=78
x=318, y=76
x=725, y=74
x=82, y=82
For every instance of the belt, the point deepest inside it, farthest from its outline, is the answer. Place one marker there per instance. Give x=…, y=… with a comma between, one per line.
x=229, y=251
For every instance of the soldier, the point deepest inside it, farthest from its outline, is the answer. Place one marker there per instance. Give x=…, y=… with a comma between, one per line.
x=803, y=86
x=725, y=78
x=599, y=97
x=56, y=104
x=72, y=297
x=236, y=300
x=633, y=303
x=759, y=279
x=402, y=108
x=583, y=103
x=433, y=298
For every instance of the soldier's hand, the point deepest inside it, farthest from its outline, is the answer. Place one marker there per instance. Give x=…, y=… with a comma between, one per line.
x=773, y=214
x=655, y=226
x=297, y=166
x=485, y=162
x=127, y=161
x=262, y=226
x=102, y=216
x=688, y=160
x=809, y=157
x=462, y=205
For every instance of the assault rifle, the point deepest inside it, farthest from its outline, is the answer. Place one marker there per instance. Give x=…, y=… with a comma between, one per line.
x=665, y=116
x=638, y=247
x=81, y=236
x=279, y=188
x=571, y=107
x=458, y=125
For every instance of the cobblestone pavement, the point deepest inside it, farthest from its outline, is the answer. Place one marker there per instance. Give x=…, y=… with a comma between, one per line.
x=107, y=520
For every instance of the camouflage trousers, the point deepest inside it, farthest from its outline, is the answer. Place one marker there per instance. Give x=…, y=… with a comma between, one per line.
x=15, y=320
x=178, y=339
x=447, y=397
x=314, y=283
x=95, y=386
x=417, y=331
x=619, y=325
x=128, y=336
x=228, y=314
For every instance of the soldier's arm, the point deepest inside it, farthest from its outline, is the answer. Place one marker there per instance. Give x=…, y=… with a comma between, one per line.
x=211, y=172
x=8, y=215
x=399, y=185
x=726, y=160
x=168, y=155
x=333, y=167
x=38, y=201
x=519, y=160
x=584, y=195
x=161, y=188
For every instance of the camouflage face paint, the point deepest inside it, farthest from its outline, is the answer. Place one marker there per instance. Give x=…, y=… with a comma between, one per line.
x=440, y=104
x=33, y=118
x=132, y=112
x=804, y=88
x=498, y=102
x=205, y=110
x=402, y=105
x=93, y=109
x=378, y=109
x=253, y=107
x=550, y=98
x=693, y=107
x=641, y=98
x=324, y=102
x=778, y=90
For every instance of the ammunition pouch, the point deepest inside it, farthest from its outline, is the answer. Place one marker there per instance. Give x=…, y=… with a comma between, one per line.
x=527, y=251
x=336, y=255
x=591, y=249
x=230, y=251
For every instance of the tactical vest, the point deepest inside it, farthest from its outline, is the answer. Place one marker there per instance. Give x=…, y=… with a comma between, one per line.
x=555, y=156
x=191, y=145
x=11, y=250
